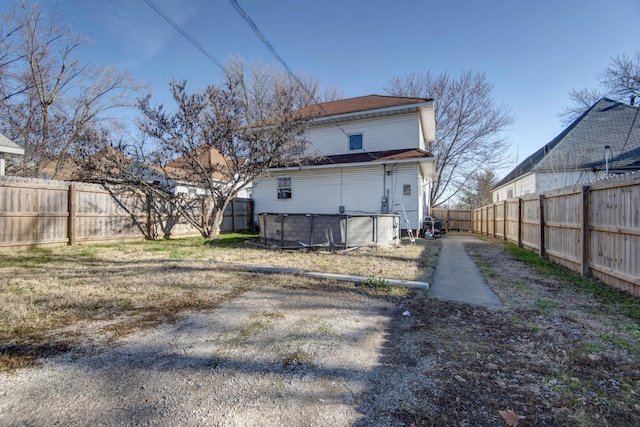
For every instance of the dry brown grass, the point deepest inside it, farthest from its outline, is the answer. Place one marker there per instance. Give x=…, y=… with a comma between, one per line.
x=143, y=283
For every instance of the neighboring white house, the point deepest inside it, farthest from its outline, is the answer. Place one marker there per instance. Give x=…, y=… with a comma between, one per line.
x=605, y=140
x=9, y=151
x=375, y=158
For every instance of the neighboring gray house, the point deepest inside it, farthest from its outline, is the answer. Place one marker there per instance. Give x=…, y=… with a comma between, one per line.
x=603, y=141
x=10, y=152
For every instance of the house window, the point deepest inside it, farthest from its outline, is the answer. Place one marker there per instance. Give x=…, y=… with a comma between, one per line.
x=406, y=189
x=510, y=194
x=284, y=188
x=355, y=141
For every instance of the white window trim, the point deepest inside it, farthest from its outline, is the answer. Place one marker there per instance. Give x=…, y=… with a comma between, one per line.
x=282, y=188
x=361, y=142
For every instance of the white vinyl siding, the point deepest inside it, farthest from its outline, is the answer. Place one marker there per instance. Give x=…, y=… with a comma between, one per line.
x=546, y=181
x=392, y=133
x=359, y=189
x=526, y=184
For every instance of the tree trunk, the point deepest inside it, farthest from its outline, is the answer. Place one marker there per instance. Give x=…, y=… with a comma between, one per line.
x=216, y=218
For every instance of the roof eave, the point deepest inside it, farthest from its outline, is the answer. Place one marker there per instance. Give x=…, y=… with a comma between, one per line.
x=368, y=114
x=11, y=150
x=354, y=164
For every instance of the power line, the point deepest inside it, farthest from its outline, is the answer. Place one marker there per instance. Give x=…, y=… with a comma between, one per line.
x=185, y=34
x=275, y=53
x=266, y=42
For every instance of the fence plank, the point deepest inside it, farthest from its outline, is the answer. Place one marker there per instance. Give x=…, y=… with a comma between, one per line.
x=541, y=247
x=43, y=212
x=590, y=229
x=71, y=223
x=584, y=232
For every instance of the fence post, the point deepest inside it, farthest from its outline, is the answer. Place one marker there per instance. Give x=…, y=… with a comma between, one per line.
x=71, y=219
x=282, y=230
x=585, y=232
x=251, y=224
x=446, y=222
x=519, y=222
x=541, y=225
x=473, y=221
x=494, y=220
x=504, y=220
x=149, y=225
x=233, y=215
x=486, y=220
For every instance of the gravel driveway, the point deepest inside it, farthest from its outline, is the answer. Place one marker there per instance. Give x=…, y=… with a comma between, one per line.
x=308, y=353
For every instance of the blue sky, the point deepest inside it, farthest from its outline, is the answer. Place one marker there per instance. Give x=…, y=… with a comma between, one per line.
x=533, y=52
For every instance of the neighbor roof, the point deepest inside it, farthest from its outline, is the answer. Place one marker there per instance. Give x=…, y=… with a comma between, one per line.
x=104, y=164
x=10, y=147
x=182, y=169
x=360, y=104
x=581, y=145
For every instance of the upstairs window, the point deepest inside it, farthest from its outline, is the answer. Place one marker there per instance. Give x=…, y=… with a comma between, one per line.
x=284, y=187
x=355, y=141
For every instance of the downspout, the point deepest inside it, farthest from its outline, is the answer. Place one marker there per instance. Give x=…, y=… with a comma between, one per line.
x=384, y=204
x=420, y=201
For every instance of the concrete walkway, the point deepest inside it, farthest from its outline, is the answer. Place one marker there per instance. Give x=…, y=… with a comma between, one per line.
x=457, y=277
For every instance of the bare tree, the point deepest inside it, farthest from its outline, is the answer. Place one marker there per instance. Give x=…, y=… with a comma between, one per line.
x=469, y=127
x=9, y=27
x=58, y=104
x=619, y=81
x=221, y=138
x=581, y=101
x=478, y=193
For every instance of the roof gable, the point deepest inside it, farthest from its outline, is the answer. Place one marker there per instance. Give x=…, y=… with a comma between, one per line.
x=581, y=145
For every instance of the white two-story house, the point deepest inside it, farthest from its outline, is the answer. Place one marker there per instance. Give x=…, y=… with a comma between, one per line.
x=374, y=159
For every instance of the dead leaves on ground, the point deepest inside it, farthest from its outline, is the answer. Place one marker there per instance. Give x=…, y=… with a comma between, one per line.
x=510, y=417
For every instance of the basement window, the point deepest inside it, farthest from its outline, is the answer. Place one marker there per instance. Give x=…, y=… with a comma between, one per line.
x=284, y=187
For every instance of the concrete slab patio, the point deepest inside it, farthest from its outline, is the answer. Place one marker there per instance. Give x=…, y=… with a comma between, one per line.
x=457, y=277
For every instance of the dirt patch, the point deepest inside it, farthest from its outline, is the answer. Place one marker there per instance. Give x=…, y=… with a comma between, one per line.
x=552, y=355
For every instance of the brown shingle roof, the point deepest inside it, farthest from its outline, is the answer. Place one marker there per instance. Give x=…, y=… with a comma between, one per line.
x=358, y=104
x=106, y=163
x=181, y=167
x=369, y=157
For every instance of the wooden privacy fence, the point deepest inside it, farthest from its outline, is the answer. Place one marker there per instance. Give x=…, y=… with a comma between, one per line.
x=454, y=219
x=36, y=212
x=594, y=230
